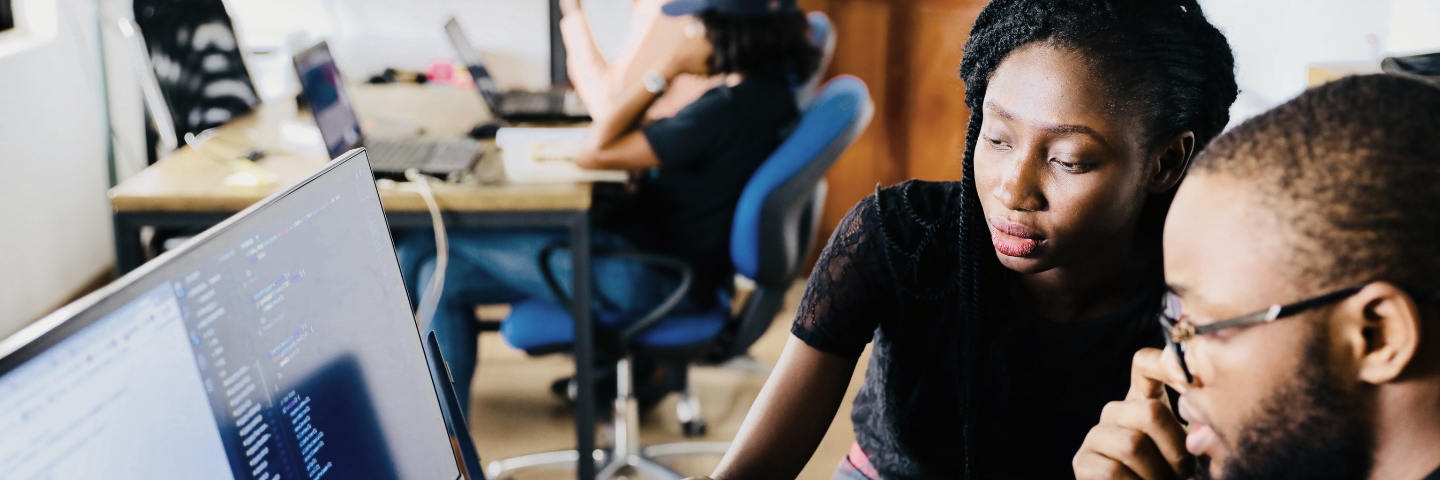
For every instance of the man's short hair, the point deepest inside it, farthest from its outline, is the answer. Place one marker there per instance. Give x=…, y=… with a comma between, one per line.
x=1351, y=171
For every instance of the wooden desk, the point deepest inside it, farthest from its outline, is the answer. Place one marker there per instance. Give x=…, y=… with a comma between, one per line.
x=189, y=190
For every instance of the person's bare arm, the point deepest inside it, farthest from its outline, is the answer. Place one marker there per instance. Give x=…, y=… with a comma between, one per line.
x=790, y=416
x=614, y=140
x=584, y=62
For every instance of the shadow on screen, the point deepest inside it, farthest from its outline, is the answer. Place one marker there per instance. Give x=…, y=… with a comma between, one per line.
x=351, y=443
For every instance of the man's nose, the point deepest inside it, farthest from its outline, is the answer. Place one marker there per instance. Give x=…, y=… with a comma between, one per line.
x=1019, y=187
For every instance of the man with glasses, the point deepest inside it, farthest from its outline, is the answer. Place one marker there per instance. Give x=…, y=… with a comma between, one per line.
x=1303, y=255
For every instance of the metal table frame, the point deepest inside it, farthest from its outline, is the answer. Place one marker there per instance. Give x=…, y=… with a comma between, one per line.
x=129, y=254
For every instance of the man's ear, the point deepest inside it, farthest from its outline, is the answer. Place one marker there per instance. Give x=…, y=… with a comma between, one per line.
x=1383, y=331
x=1168, y=161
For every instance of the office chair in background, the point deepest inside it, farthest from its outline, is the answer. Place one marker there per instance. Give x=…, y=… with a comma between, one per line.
x=192, y=78
x=822, y=35
x=773, y=229
x=193, y=59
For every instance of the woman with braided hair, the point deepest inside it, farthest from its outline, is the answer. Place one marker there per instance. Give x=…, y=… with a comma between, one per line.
x=1004, y=308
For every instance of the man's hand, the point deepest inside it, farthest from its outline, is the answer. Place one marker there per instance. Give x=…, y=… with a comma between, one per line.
x=1138, y=438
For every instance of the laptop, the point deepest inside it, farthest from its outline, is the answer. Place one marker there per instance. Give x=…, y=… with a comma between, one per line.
x=515, y=105
x=340, y=127
x=279, y=344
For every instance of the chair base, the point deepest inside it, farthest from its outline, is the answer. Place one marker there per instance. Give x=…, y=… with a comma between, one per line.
x=625, y=455
x=645, y=464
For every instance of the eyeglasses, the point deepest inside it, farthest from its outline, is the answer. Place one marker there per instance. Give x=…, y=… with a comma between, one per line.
x=1179, y=330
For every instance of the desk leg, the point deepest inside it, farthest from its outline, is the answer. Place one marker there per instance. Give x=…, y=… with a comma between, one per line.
x=128, y=252
x=584, y=348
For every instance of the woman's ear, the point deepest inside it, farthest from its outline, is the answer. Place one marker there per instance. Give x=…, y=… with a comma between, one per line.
x=1168, y=161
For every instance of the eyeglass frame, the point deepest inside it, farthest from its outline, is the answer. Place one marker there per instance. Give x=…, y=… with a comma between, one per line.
x=1178, y=331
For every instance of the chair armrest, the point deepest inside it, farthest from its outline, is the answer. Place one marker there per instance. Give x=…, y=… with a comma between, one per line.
x=687, y=278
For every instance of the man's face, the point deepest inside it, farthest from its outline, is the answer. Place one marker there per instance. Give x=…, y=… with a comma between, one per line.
x=1263, y=403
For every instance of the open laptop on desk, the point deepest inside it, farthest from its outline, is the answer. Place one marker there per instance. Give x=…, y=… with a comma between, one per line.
x=340, y=127
x=276, y=345
x=515, y=105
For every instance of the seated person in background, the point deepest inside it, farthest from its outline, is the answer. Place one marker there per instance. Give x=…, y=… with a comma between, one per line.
x=702, y=158
x=1325, y=206
x=646, y=45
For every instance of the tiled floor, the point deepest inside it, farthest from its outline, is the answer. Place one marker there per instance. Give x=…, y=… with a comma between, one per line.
x=513, y=412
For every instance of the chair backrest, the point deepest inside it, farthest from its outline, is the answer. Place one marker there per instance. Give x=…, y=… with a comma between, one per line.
x=196, y=60
x=779, y=209
x=822, y=35
x=768, y=235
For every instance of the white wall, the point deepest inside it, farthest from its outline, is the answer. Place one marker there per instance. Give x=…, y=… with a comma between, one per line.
x=54, y=218
x=1276, y=40
x=367, y=36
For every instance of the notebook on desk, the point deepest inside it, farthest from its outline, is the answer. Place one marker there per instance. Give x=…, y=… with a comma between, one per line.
x=547, y=155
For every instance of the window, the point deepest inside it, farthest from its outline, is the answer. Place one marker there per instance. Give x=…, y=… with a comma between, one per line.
x=7, y=15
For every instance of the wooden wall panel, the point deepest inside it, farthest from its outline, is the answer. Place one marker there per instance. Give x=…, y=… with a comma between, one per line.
x=907, y=52
x=873, y=158
x=937, y=116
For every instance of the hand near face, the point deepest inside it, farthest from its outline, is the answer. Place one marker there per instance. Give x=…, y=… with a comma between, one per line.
x=1138, y=438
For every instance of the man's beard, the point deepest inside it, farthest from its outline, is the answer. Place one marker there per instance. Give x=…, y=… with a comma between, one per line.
x=1310, y=429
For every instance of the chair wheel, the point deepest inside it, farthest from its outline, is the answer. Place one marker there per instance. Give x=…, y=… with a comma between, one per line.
x=694, y=428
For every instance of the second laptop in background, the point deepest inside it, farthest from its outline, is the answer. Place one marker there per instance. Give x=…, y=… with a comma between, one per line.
x=515, y=105
x=340, y=127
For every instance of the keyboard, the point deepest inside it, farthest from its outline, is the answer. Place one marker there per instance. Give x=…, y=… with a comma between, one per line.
x=428, y=156
x=528, y=102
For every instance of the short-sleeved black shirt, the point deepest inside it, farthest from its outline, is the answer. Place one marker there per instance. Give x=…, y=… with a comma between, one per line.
x=707, y=153
x=1040, y=385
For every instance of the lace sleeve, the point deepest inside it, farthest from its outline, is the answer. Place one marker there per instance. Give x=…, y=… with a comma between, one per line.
x=848, y=291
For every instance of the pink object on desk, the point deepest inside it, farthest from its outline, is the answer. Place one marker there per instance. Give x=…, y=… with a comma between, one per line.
x=441, y=71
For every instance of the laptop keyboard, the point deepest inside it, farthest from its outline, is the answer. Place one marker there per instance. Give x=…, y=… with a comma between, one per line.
x=528, y=102
x=399, y=155
x=428, y=156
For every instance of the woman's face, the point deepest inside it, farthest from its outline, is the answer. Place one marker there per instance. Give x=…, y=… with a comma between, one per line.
x=1062, y=173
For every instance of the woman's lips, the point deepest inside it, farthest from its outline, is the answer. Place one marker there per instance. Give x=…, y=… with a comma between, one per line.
x=1013, y=239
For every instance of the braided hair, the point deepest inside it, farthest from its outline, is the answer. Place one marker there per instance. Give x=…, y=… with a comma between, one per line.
x=1161, y=58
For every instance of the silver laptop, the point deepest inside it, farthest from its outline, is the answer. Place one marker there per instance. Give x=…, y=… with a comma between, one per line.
x=277, y=345
x=340, y=127
x=514, y=105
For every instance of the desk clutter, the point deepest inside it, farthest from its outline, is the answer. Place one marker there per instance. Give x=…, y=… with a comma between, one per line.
x=547, y=155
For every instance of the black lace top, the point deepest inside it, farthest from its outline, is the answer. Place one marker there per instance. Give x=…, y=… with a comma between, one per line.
x=1040, y=386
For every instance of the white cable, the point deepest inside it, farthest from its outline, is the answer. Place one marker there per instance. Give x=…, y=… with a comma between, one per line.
x=430, y=300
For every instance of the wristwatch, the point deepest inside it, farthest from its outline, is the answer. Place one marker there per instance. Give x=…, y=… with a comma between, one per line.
x=655, y=82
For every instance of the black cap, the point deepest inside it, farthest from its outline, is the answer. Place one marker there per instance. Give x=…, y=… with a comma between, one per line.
x=733, y=7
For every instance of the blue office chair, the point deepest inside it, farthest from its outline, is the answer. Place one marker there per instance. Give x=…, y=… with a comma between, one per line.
x=822, y=35
x=773, y=229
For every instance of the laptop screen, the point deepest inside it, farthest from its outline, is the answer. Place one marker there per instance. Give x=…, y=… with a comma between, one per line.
x=279, y=345
x=471, y=57
x=325, y=90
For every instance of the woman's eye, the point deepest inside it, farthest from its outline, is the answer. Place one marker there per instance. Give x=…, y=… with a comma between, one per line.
x=1071, y=167
x=1000, y=144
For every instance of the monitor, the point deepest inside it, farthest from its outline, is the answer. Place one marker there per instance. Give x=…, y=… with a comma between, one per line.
x=325, y=91
x=279, y=344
